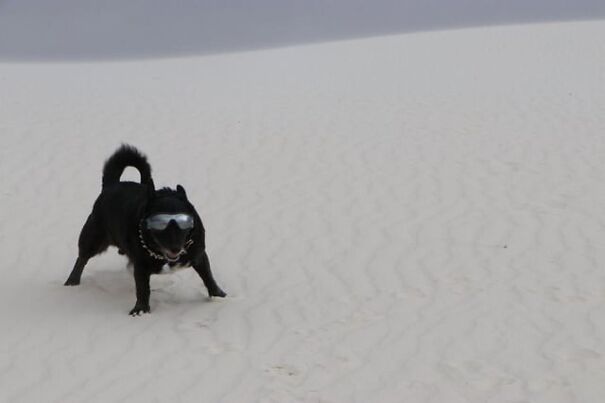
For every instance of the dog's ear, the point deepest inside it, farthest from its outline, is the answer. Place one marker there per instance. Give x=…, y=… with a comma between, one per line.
x=181, y=192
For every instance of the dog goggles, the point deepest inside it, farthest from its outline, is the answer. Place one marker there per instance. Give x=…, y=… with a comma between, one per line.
x=159, y=222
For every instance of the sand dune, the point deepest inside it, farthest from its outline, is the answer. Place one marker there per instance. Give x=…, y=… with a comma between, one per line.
x=411, y=218
x=59, y=30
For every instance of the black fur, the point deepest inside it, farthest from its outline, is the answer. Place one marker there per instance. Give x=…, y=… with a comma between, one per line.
x=117, y=219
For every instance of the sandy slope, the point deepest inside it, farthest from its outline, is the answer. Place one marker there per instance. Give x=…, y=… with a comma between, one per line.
x=97, y=30
x=412, y=218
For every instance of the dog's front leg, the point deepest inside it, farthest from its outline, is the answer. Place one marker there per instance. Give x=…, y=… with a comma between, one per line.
x=202, y=267
x=141, y=279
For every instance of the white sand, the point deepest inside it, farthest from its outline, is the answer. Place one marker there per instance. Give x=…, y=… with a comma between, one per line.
x=414, y=218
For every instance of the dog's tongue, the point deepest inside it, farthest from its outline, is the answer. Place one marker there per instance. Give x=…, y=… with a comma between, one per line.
x=171, y=255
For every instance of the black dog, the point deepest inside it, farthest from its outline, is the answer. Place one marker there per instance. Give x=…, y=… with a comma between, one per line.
x=152, y=228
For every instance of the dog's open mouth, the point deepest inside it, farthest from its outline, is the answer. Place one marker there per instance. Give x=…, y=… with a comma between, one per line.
x=172, y=257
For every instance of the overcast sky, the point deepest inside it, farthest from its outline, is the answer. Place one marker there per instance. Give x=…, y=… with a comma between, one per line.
x=94, y=29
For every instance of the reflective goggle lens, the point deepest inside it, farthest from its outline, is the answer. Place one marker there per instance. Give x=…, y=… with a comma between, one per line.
x=159, y=222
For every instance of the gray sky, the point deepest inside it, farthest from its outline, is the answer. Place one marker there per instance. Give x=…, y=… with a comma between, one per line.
x=94, y=29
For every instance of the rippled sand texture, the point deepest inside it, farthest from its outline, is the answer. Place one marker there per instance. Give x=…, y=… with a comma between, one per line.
x=413, y=218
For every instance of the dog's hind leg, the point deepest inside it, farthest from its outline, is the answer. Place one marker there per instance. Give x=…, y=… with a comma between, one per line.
x=92, y=242
x=76, y=273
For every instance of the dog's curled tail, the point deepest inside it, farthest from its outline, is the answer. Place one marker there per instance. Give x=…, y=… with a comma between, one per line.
x=126, y=156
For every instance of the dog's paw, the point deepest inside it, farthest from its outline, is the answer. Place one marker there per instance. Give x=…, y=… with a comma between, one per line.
x=217, y=292
x=71, y=281
x=139, y=310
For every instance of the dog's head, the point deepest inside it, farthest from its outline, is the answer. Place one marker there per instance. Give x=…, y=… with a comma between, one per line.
x=170, y=221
